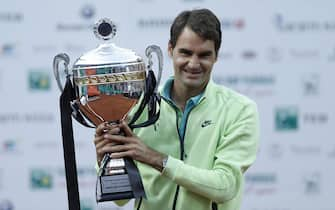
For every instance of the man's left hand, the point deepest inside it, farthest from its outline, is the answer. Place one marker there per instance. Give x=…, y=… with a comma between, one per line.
x=131, y=146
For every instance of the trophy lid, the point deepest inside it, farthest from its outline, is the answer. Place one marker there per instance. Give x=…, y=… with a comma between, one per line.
x=107, y=53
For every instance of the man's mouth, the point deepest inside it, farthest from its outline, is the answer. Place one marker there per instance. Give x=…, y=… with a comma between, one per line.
x=193, y=72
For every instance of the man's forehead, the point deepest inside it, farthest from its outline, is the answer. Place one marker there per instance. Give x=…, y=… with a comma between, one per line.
x=187, y=33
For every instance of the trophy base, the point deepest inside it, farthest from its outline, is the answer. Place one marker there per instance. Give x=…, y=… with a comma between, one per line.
x=114, y=187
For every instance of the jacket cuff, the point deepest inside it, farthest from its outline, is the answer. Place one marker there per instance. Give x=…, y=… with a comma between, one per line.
x=171, y=168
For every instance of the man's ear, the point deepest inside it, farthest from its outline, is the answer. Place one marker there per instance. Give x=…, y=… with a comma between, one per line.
x=170, y=49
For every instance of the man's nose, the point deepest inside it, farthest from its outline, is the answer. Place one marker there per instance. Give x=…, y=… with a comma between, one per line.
x=194, y=62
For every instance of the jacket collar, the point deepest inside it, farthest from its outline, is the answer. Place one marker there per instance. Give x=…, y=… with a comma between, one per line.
x=166, y=89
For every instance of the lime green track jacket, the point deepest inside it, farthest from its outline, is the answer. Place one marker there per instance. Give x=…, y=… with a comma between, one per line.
x=220, y=143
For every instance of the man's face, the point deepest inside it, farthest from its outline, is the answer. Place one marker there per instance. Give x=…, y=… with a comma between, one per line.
x=193, y=60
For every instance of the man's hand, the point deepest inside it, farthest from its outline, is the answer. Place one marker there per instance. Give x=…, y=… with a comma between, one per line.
x=102, y=144
x=109, y=140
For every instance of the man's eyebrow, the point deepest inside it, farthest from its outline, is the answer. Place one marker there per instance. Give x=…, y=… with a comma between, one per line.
x=184, y=50
x=190, y=52
x=206, y=53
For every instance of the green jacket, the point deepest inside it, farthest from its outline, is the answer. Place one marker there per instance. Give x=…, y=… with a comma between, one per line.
x=220, y=143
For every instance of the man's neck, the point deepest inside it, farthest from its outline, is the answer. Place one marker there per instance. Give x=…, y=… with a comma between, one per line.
x=182, y=94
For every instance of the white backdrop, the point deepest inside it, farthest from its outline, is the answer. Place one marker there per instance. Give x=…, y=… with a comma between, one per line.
x=279, y=53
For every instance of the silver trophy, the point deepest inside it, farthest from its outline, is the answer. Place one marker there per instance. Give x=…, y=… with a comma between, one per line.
x=104, y=85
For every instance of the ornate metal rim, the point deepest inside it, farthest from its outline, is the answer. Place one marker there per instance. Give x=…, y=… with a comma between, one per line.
x=137, y=65
x=110, y=78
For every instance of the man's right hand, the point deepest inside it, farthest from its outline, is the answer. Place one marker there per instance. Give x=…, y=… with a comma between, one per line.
x=102, y=144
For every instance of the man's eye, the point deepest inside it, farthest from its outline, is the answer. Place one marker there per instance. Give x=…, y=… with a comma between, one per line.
x=185, y=53
x=205, y=55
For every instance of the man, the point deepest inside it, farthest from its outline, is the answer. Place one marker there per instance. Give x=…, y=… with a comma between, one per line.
x=206, y=137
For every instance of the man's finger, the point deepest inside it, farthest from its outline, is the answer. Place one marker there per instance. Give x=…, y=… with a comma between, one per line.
x=100, y=129
x=125, y=128
x=115, y=130
x=116, y=138
x=101, y=144
x=116, y=155
x=98, y=139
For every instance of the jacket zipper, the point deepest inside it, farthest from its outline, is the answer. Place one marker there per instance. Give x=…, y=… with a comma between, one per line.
x=181, y=151
x=181, y=158
x=181, y=141
x=181, y=147
x=214, y=205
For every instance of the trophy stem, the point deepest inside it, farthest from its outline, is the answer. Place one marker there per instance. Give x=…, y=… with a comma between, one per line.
x=115, y=166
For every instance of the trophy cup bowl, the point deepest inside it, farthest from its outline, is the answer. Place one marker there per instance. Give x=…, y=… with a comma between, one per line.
x=107, y=82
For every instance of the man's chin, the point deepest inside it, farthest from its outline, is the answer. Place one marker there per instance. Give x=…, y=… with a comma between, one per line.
x=193, y=83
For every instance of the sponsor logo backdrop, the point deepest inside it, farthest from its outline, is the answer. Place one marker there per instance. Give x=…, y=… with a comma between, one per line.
x=279, y=53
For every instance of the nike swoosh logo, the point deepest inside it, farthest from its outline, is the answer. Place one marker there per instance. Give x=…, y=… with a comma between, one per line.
x=206, y=123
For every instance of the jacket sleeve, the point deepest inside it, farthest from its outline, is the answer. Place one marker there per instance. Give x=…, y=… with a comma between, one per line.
x=235, y=152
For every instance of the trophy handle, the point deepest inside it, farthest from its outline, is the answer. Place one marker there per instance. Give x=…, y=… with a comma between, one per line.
x=148, y=52
x=60, y=75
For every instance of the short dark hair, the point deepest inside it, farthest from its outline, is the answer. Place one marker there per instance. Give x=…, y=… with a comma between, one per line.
x=202, y=21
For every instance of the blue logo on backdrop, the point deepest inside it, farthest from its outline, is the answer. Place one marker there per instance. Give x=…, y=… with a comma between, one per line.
x=286, y=118
x=7, y=49
x=39, y=80
x=41, y=179
x=9, y=145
